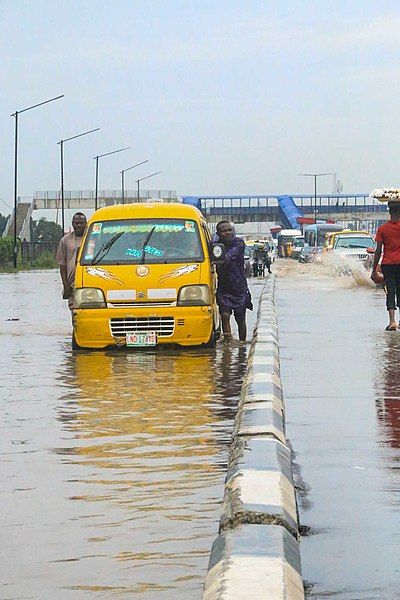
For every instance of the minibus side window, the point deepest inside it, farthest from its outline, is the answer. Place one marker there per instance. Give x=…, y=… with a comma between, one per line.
x=206, y=233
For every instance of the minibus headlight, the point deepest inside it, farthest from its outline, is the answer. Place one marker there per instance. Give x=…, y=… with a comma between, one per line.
x=194, y=295
x=89, y=298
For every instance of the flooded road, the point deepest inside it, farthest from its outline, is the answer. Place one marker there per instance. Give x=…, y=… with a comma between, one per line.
x=112, y=463
x=340, y=373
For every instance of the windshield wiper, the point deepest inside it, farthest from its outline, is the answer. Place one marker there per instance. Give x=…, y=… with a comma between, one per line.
x=146, y=241
x=105, y=248
x=356, y=246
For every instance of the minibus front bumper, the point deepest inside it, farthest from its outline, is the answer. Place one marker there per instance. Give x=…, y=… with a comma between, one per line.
x=186, y=326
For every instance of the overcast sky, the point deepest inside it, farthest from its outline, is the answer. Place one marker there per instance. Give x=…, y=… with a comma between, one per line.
x=223, y=96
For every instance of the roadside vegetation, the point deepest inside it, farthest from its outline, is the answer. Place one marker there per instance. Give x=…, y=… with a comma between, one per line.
x=38, y=254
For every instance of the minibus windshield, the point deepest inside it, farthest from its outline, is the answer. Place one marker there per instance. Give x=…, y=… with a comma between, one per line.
x=354, y=242
x=143, y=241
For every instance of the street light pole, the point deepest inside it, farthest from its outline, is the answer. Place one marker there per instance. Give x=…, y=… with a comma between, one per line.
x=15, y=249
x=15, y=115
x=142, y=179
x=96, y=183
x=315, y=198
x=61, y=142
x=96, y=158
x=123, y=178
x=315, y=175
x=62, y=185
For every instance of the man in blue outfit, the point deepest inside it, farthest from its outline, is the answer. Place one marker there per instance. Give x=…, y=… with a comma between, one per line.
x=233, y=295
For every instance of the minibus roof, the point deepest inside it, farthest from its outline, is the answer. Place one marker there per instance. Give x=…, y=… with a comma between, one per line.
x=147, y=210
x=296, y=232
x=323, y=227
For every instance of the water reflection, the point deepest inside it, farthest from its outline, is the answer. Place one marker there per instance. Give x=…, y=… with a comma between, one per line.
x=387, y=384
x=112, y=463
x=147, y=454
x=230, y=369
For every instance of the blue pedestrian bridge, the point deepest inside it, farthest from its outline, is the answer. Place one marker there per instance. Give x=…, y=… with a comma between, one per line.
x=285, y=209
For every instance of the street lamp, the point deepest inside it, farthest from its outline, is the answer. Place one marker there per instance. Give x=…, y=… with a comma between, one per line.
x=18, y=112
x=315, y=175
x=96, y=158
x=61, y=142
x=142, y=179
x=123, y=178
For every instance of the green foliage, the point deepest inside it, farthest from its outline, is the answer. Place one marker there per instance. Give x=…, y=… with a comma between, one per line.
x=46, y=260
x=6, y=251
x=46, y=231
x=3, y=222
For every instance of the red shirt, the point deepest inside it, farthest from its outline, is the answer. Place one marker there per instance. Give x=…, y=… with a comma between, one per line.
x=389, y=235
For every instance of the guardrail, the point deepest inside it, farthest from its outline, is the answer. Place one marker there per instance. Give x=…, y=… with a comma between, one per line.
x=31, y=251
x=307, y=209
x=300, y=200
x=91, y=194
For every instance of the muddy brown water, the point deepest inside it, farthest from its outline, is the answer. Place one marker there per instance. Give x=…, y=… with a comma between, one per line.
x=112, y=463
x=341, y=380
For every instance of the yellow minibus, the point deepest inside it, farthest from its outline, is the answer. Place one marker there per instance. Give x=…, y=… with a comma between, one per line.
x=145, y=277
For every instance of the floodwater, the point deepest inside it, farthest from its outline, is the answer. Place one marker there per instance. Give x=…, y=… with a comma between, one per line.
x=112, y=463
x=341, y=380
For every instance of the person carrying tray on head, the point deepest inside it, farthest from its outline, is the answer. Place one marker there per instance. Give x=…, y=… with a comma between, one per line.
x=388, y=238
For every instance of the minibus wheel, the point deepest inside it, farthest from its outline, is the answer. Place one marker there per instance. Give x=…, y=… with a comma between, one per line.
x=74, y=343
x=212, y=342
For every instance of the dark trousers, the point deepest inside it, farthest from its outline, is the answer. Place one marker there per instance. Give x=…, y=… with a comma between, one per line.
x=391, y=274
x=267, y=263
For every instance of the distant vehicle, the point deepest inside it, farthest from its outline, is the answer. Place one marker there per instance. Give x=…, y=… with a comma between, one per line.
x=297, y=247
x=316, y=254
x=314, y=235
x=286, y=237
x=248, y=259
x=305, y=254
x=261, y=258
x=356, y=245
x=270, y=245
x=258, y=267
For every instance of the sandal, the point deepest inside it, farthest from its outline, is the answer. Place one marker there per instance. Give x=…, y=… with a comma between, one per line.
x=391, y=328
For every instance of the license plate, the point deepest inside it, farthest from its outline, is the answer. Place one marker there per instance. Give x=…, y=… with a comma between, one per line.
x=148, y=338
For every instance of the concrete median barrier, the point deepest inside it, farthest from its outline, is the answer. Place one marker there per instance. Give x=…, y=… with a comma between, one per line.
x=256, y=554
x=259, y=418
x=259, y=484
x=257, y=562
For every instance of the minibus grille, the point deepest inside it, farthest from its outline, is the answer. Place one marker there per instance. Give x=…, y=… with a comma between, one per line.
x=163, y=326
x=117, y=304
x=358, y=256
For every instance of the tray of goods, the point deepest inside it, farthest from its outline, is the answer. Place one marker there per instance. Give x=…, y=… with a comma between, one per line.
x=386, y=195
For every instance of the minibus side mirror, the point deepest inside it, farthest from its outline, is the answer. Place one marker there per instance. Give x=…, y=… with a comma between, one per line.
x=217, y=252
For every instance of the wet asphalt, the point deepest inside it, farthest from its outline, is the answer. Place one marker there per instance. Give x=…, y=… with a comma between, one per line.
x=340, y=373
x=112, y=464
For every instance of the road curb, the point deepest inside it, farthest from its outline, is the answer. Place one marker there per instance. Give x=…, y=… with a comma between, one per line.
x=256, y=554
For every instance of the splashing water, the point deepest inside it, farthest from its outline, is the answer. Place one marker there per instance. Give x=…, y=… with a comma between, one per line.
x=339, y=266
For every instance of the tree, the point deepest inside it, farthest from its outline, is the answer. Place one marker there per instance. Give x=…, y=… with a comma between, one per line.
x=3, y=222
x=46, y=231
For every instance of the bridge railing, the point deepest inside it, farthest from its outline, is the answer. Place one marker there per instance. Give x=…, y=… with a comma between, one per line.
x=266, y=204
x=90, y=194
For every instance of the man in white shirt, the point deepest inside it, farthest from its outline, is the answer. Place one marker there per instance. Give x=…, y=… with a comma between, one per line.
x=66, y=255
